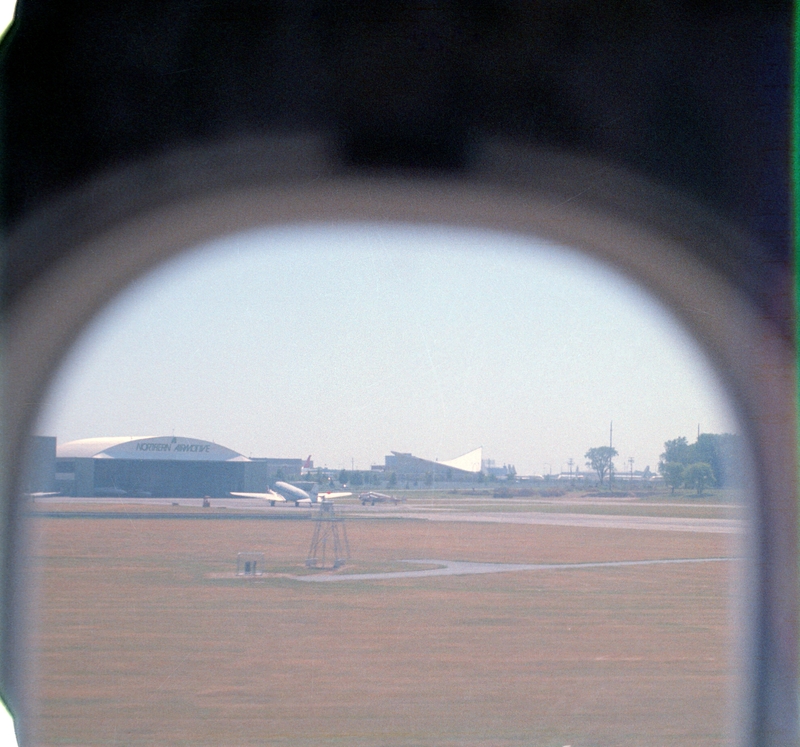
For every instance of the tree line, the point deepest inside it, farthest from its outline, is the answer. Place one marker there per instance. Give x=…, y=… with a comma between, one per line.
x=714, y=460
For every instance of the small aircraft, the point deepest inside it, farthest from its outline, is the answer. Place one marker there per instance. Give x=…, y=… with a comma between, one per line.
x=301, y=494
x=372, y=497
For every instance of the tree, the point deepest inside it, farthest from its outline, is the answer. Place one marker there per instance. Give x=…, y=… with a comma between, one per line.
x=672, y=473
x=392, y=479
x=721, y=451
x=343, y=477
x=511, y=473
x=678, y=450
x=698, y=475
x=601, y=460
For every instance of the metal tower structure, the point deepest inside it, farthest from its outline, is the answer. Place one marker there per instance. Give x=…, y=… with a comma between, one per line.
x=327, y=539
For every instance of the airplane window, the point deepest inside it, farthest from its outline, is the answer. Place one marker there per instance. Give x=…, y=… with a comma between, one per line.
x=385, y=484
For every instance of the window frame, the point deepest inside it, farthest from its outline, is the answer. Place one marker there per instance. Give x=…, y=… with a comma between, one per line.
x=125, y=223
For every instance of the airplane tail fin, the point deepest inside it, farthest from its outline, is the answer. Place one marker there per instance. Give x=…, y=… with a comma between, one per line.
x=307, y=463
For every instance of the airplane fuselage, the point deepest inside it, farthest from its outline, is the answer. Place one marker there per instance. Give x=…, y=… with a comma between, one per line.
x=293, y=493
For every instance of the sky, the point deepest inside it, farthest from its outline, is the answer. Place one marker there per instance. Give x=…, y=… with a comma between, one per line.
x=349, y=341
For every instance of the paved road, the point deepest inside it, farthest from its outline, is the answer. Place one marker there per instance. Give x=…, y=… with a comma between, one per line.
x=463, y=568
x=434, y=512
x=594, y=521
x=251, y=504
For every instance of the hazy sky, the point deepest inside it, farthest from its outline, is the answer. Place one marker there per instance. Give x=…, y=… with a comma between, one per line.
x=346, y=342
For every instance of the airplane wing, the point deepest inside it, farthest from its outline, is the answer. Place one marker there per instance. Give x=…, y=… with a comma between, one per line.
x=331, y=496
x=272, y=496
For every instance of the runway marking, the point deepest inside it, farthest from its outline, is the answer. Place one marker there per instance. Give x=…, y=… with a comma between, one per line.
x=465, y=568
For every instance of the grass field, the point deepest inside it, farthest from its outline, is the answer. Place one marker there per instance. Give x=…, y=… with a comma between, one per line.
x=148, y=637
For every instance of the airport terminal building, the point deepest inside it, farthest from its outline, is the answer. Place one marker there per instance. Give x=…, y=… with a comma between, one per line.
x=164, y=466
x=409, y=467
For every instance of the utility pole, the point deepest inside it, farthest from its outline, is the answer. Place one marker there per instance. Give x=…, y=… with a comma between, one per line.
x=630, y=461
x=570, y=463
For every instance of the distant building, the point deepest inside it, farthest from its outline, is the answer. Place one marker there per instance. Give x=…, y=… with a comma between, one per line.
x=40, y=468
x=167, y=466
x=491, y=469
x=283, y=469
x=409, y=467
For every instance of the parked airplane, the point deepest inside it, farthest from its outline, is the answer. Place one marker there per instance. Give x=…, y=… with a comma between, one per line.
x=373, y=498
x=300, y=493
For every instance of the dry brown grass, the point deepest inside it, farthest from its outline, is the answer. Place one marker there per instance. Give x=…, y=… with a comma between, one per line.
x=144, y=640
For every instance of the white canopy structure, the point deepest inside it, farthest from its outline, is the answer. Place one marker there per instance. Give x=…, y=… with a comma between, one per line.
x=469, y=462
x=408, y=466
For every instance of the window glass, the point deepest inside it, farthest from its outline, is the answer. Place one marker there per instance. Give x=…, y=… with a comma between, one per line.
x=536, y=504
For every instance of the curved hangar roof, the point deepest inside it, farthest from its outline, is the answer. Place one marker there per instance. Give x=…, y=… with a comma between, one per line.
x=172, y=448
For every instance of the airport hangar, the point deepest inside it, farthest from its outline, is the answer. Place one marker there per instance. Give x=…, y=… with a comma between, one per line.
x=164, y=466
